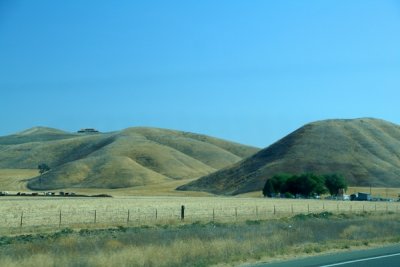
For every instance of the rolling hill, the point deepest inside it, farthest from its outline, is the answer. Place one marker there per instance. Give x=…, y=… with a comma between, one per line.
x=366, y=151
x=131, y=157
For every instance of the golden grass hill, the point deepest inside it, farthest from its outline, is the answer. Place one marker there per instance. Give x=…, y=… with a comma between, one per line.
x=365, y=151
x=131, y=157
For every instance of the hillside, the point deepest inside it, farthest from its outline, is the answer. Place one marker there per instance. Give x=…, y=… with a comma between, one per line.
x=132, y=157
x=366, y=151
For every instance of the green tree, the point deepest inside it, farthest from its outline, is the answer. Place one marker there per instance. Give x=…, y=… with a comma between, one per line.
x=307, y=184
x=268, y=190
x=43, y=167
x=334, y=183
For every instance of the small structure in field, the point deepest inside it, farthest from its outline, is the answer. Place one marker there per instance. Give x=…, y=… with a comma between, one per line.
x=88, y=130
x=361, y=197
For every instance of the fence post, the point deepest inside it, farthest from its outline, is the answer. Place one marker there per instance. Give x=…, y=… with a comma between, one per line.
x=22, y=216
x=182, y=212
x=236, y=214
x=127, y=219
x=59, y=222
x=95, y=216
x=213, y=215
x=274, y=210
x=156, y=214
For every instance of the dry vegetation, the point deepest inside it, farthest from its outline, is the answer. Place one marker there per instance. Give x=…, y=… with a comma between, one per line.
x=132, y=157
x=215, y=229
x=365, y=151
x=49, y=213
x=201, y=244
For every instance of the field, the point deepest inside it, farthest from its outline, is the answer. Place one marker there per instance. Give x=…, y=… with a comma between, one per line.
x=156, y=204
x=32, y=214
x=142, y=226
x=201, y=244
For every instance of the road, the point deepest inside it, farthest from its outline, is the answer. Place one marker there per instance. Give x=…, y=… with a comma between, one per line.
x=383, y=257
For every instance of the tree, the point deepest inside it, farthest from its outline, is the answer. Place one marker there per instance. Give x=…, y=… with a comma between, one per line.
x=276, y=184
x=268, y=190
x=334, y=183
x=306, y=184
x=43, y=167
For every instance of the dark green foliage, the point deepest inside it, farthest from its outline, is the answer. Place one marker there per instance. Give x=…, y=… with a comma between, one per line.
x=277, y=184
x=334, y=183
x=43, y=167
x=269, y=189
x=307, y=185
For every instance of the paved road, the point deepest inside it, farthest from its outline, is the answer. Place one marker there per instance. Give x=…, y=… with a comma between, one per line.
x=383, y=257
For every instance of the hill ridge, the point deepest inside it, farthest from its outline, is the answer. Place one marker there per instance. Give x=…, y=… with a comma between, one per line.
x=135, y=156
x=357, y=148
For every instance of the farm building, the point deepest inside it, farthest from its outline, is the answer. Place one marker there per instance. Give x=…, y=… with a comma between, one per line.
x=361, y=197
x=88, y=130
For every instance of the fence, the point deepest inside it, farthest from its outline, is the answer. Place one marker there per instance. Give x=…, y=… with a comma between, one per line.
x=31, y=219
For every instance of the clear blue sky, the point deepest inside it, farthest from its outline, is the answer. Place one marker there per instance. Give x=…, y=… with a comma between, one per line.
x=247, y=71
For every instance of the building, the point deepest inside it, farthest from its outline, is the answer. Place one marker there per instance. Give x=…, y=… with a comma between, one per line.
x=88, y=130
x=361, y=197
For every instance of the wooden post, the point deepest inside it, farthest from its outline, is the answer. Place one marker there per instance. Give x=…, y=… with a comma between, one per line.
x=128, y=217
x=95, y=216
x=59, y=222
x=22, y=216
x=156, y=214
x=182, y=212
x=213, y=215
x=236, y=214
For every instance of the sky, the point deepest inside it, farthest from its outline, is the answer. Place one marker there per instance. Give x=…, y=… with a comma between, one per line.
x=246, y=71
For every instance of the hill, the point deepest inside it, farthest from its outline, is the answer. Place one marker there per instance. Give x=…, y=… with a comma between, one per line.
x=132, y=157
x=366, y=151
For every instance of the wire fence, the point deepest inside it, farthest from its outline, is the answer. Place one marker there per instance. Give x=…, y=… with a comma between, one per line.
x=133, y=216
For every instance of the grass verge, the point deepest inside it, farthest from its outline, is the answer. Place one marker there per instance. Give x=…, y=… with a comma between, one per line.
x=200, y=244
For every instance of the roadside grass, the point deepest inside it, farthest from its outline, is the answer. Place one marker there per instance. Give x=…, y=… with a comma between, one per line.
x=201, y=244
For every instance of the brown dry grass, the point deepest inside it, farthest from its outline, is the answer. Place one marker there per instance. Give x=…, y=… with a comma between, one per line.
x=14, y=180
x=201, y=244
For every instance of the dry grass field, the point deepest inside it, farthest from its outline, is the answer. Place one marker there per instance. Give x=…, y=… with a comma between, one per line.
x=155, y=204
x=201, y=244
x=30, y=214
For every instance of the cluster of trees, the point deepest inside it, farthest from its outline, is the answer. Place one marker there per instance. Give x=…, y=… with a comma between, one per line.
x=307, y=184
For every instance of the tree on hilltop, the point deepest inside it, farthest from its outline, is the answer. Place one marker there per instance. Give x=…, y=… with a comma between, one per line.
x=334, y=183
x=43, y=167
